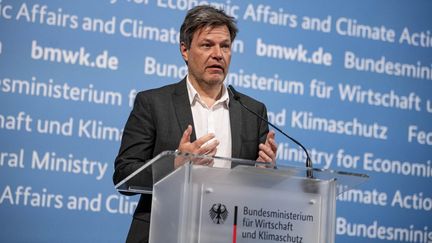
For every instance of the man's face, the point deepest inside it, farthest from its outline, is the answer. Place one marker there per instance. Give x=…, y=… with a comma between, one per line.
x=209, y=55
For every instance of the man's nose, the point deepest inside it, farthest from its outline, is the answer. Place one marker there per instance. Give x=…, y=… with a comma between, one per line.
x=217, y=52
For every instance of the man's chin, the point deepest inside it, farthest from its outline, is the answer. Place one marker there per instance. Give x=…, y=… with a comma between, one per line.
x=215, y=79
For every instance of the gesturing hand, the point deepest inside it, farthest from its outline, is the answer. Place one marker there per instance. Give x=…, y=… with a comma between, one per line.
x=205, y=145
x=267, y=151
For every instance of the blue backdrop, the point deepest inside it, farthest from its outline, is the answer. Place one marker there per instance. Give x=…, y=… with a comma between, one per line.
x=351, y=80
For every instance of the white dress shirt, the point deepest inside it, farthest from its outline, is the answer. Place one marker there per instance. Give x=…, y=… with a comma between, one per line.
x=213, y=119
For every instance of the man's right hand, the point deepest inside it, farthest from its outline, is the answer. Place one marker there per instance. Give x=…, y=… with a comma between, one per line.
x=205, y=145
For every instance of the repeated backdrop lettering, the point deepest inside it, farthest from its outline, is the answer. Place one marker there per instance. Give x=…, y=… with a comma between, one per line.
x=351, y=80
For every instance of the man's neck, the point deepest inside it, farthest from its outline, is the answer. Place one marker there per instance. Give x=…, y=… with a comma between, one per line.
x=209, y=94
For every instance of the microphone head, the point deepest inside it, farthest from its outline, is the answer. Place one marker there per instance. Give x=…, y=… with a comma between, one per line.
x=234, y=92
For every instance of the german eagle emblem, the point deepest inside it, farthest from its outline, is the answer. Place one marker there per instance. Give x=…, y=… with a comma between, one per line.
x=218, y=213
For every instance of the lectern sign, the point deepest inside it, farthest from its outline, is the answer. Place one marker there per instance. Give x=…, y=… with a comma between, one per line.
x=258, y=215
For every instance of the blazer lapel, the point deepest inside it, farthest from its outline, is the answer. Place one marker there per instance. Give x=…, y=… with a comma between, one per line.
x=182, y=108
x=235, y=111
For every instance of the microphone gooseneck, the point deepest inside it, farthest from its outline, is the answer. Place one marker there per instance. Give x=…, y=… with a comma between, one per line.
x=237, y=98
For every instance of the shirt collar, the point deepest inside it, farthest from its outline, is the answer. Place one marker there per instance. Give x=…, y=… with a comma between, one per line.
x=194, y=96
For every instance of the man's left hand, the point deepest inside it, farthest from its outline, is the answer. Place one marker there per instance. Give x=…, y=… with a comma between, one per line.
x=267, y=151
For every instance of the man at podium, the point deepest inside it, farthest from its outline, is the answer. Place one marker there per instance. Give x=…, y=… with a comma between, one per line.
x=197, y=115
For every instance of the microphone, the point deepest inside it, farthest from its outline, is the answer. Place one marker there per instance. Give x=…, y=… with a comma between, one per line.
x=308, y=160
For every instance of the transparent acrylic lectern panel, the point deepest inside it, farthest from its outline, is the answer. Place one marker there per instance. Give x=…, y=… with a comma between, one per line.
x=143, y=179
x=196, y=203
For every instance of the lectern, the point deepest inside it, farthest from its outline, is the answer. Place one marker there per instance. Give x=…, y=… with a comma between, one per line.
x=248, y=203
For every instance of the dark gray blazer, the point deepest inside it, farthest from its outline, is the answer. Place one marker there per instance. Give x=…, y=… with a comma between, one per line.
x=156, y=124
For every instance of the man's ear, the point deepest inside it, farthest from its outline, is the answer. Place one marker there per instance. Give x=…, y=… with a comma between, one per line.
x=184, y=51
